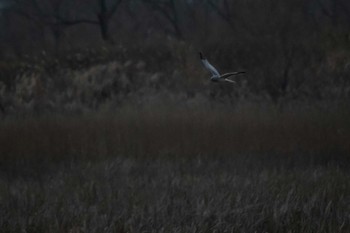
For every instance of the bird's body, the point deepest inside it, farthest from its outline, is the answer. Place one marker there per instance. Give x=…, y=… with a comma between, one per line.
x=216, y=76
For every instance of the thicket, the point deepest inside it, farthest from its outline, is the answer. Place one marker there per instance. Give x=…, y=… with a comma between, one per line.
x=62, y=55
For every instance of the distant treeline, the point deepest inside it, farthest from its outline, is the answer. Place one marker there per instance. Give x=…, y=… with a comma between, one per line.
x=292, y=48
x=56, y=25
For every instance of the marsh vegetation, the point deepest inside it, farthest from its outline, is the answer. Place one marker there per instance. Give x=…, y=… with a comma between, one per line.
x=166, y=170
x=108, y=122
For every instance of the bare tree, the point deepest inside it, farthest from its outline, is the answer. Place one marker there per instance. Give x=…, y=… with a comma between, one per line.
x=335, y=10
x=223, y=9
x=102, y=17
x=234, y=12
x=168, y=9
x=60, y=14
x=2, y=109
x=43, y=14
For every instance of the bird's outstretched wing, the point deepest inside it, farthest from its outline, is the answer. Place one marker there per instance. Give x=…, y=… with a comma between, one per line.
x=229, y=80
x=207, y=65
x=231, y=74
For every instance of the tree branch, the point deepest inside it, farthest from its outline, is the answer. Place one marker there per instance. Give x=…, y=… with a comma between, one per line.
x=78, y=21
x=221, y=13
x=171, y=17
x=114, y=8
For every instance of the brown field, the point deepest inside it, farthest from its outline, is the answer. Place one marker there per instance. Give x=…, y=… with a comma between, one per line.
x=180, y=131
x=250, y=168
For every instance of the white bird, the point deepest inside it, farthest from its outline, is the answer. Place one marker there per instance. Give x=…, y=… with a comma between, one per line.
x=216, y=76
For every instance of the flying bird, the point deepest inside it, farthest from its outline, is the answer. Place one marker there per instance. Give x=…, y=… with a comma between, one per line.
x=216, y=76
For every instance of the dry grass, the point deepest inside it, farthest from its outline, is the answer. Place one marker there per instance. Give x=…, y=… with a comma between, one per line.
x=177, y=169
x=183, y=195
x=181, y=130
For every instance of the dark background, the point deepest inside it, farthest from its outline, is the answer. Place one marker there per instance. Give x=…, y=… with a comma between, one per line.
x=109, y=122
x=292, y=50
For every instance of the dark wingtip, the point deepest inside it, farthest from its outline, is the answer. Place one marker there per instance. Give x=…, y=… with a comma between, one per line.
x=201, y=55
